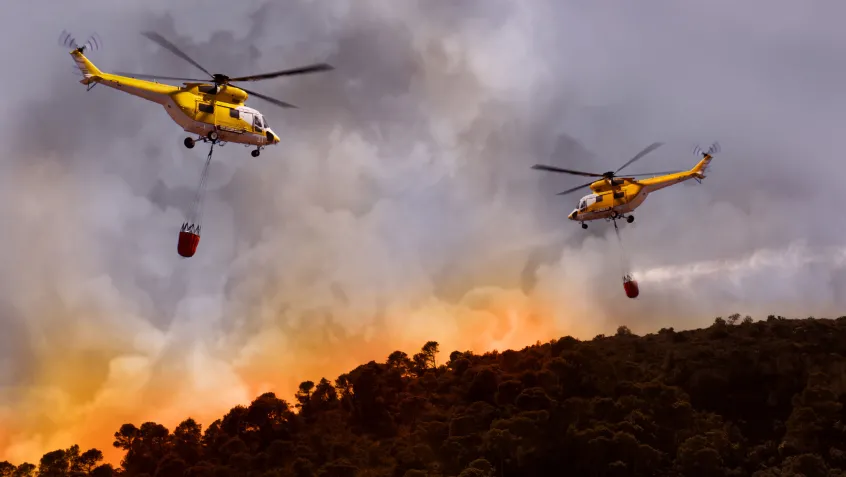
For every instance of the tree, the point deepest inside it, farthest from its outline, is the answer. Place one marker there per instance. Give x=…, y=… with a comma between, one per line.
x=7, y=469
x=763, y=400
x=430, y=351
x=266, y=415
x=54, y=464
x=25, y=470
x=104, y=470
x=144, y=446
x=304, y=393
x=186, y=441
x=399, y=360
x=324, y=396
x=89, y=460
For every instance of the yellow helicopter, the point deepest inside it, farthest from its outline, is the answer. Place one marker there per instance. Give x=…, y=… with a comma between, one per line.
x=213, y=109
x=613, y=197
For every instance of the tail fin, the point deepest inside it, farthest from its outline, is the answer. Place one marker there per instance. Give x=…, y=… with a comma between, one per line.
x=88, y=70
x=701, y=167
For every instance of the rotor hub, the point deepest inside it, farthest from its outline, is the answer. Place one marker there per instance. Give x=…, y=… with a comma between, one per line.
x=220, y=79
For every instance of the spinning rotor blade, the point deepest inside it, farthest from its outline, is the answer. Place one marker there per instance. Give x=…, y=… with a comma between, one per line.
x=134, y=75
x=268, y=98
x=66, y=39
x=295, y=71
x=173, y=49
x=653, y=174
x=93, y=42
x=650, y=148
x=542, y=167
x=574, y=189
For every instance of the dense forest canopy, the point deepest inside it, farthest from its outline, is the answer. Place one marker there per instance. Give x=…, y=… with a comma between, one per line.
x=737, y=398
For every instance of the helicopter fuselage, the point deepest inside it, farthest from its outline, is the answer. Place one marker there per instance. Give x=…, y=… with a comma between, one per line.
x=614, y=200
x=199, y=108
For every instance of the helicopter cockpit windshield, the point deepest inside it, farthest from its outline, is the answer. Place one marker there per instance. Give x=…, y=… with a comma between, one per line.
x=588, y=201
x=258, y=121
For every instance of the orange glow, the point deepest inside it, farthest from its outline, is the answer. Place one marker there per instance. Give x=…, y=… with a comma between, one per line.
x=82, y=394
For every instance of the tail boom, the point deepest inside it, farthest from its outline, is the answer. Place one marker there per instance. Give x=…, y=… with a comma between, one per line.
x=698, y=172
x=149, y=90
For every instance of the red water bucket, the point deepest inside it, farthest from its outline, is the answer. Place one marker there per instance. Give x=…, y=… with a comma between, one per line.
x=187, y=245
x=632, y=290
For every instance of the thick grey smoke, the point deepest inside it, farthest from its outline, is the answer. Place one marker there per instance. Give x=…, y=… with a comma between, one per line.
x=400, y=206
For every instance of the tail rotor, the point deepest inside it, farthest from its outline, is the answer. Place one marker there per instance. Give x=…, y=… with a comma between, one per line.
x=713, y=150
x=93, y=43
x=706, y=158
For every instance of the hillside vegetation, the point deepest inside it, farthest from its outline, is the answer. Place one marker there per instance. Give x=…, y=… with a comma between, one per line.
x=737, y=398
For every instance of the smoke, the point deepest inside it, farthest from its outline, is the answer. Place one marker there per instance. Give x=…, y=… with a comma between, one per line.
x=400, y=206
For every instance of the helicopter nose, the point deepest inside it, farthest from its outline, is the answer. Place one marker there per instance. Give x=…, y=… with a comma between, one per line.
x=272, y=137
x=572, y=215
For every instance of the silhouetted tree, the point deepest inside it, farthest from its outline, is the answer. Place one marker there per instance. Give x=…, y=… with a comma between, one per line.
x=54, y=464
x=761, y=399
x=88, y=460
x=25, y=470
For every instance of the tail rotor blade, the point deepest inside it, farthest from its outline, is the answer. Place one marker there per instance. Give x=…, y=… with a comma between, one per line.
x=67, y=40
x=93, y=43
x=714, y=149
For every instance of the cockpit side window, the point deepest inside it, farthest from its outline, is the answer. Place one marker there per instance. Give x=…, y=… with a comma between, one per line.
x=583, y=205
x=257, y=122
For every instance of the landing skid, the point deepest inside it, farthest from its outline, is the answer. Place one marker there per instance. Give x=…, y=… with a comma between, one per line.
x=629, y=219
x=213, y=138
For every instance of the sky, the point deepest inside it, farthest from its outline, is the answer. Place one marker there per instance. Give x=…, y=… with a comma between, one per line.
x=400, y=206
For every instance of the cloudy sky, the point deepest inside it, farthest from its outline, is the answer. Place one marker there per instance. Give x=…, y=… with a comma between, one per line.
x=400, y=206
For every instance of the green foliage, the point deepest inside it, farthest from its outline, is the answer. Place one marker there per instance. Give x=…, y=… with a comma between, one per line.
x=762, y=399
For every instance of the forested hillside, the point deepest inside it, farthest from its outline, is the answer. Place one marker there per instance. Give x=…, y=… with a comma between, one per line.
x=737, y=398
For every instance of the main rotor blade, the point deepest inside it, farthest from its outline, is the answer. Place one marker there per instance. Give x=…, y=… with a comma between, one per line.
x=542, y=167
x=294, y=71
x=574, y=189
x=268, y=98
x=173, y=49
x=135, y=75
x=652, y=174
x=649, y=148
